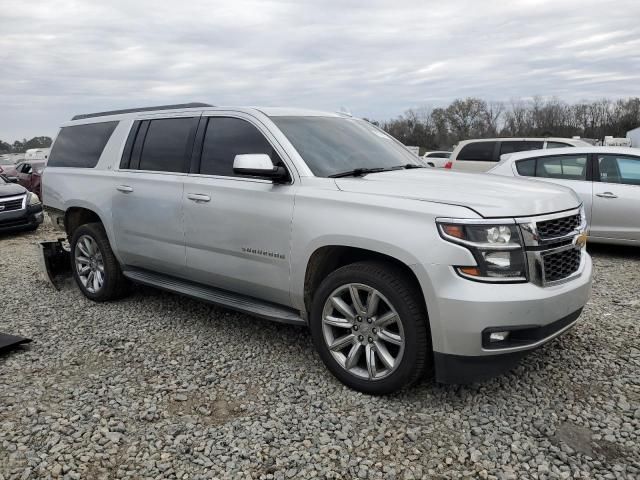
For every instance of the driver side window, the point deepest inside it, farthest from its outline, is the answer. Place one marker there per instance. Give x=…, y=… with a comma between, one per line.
x=227, y=137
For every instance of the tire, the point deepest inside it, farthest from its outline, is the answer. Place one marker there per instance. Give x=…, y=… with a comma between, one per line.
x=114, y=285
x=398, y=297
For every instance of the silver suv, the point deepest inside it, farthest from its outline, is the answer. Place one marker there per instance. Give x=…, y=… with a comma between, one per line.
x=323, y=220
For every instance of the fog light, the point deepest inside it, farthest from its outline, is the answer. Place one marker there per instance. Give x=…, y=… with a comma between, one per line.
x=498, y=336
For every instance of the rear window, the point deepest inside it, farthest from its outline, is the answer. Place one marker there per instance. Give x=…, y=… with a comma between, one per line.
x=478, y=151
x=80, y=146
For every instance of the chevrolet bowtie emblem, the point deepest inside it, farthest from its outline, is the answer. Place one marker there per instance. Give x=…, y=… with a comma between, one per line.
x=581, y=240
x=1, y=208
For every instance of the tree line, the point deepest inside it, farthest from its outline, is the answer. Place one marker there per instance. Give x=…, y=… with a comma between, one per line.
x=24, y=145
x=443, y=127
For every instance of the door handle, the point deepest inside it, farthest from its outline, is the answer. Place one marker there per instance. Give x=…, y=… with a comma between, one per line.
x=124, y=188
x=606, y=195
x=198, y=197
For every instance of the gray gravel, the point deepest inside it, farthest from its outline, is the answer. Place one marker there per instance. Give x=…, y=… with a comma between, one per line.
x=159, y=386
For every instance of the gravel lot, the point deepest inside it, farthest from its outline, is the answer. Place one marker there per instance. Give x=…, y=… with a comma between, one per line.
x=159, y=386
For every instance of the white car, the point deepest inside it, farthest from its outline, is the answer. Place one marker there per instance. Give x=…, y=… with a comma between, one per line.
x=436, y=158
x=482, y=154
x=607, y=179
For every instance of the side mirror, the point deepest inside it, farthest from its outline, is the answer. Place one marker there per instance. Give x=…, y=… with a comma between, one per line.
x=13, y=179
x=257, y=165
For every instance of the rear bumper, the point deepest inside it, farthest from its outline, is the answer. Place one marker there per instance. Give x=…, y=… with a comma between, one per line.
x=463, y=369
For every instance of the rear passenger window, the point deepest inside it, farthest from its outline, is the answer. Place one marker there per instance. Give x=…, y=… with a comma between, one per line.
x=519, y=146
x=567, y=167
x=478, y=151
x=526, y=168
x=168, y=144
x=80, y=146
x=227, y=137
x=619, y=169
x=557, y=145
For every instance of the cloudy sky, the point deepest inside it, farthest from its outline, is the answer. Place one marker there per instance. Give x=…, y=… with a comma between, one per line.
x=376, y=57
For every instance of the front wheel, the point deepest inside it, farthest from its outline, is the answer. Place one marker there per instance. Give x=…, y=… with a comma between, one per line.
x=369, y=324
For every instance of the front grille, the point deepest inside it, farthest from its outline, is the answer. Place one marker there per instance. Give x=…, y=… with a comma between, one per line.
x=10, y=205
x=561, y=264
x=558, y=227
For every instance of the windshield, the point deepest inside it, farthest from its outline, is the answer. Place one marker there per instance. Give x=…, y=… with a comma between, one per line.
x=331, y=145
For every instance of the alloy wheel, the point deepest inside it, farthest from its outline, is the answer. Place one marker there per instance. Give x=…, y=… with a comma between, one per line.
x=89, y=263
x=363, y=331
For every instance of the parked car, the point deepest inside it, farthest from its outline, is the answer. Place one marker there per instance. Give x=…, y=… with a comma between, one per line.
x=19, y=209
x=37, y=154
x=437, y=158
x=6, y=164
x=482, y=154
x=607, y=179
x=29, y=175
x=323, y=220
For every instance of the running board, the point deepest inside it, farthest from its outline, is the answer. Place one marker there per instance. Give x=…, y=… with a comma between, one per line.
x=234, y=301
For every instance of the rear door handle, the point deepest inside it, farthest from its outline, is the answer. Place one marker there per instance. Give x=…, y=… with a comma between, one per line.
x=124, y=188
x=606, y=195
x=198, y=197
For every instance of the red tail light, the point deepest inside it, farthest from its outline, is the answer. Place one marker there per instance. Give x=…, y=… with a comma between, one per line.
x=449, y=164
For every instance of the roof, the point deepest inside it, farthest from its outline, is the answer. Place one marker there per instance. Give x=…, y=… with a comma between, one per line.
x=195, y=106
x=571, y=151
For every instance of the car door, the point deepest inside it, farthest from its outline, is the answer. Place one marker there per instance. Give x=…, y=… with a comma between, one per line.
x=571, y=170
x=147, y=196
x=237, y=228
x=24, y=175
x=616, y=201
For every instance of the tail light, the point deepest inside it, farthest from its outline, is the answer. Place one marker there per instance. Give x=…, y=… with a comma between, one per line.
x=449, y=164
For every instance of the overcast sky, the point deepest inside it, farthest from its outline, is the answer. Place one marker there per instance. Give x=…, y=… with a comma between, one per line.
x=377, y=58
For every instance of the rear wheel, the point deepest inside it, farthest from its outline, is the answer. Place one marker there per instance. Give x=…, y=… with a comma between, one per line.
x=369, y=325
x=95, y=267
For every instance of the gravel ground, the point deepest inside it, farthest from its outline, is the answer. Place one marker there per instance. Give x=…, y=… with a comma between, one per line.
x=159, y=386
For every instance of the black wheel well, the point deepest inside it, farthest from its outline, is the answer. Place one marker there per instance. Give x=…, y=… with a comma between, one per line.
x=77, y=216
x=329, y=258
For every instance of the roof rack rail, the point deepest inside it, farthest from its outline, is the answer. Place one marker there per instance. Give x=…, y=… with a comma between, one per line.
x=142, y=109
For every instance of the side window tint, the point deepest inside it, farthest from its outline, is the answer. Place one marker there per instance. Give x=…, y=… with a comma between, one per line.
x=479, y=151
x=167, y=144
x=557, y=145
x=80, y=146
x=526, y=168
x=519, y=146
x=567, y=167
x=227, y=137
x=619, y=169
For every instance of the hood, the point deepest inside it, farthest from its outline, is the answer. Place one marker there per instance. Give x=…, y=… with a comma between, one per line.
x=488, y=195
x=11, y=189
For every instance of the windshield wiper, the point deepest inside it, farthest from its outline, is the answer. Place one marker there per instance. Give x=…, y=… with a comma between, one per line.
x=409, y=166
x=359, y=172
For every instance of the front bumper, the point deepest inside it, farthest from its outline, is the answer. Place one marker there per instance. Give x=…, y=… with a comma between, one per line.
x=24, y=219
x=461, y=311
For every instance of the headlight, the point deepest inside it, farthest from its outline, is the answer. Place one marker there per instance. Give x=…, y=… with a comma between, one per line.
x=33, y=199
x=497, y=249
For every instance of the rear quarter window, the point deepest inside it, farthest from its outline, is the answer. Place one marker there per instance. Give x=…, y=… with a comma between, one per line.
x=80, y=146
x=478, y=151
x=526, y=168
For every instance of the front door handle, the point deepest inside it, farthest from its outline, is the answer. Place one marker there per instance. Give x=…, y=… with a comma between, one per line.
x=198, y=197
x=124, y=188
x=606, y=195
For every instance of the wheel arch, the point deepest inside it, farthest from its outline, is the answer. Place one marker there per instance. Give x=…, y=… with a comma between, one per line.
x=328, y=258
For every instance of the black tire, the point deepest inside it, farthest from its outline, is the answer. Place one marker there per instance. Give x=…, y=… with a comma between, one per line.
x=407, y=300
x=115, y=284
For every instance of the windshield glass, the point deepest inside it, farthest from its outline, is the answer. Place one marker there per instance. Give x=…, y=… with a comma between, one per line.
x=331, y=145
